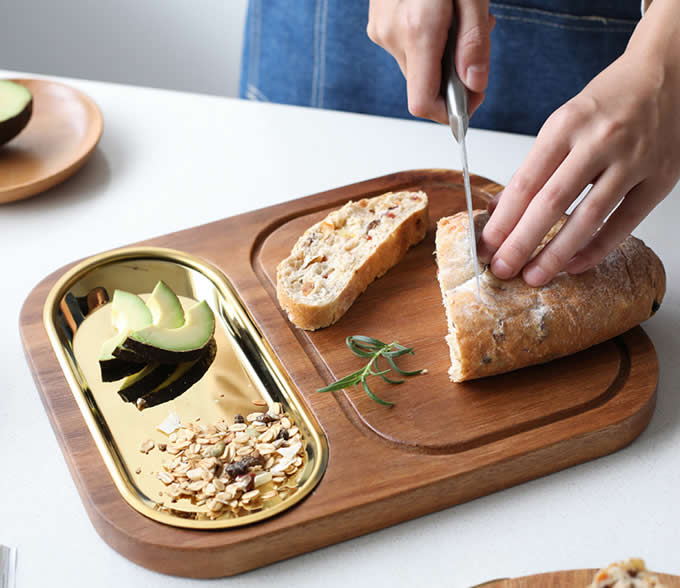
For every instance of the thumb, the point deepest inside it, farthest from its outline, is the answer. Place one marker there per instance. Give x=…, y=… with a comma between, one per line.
x=473, y=43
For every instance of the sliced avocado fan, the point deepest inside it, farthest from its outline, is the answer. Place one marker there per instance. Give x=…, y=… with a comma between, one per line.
x=185, y=375
x=185, y=343
x=128, y=314
x=165, y=307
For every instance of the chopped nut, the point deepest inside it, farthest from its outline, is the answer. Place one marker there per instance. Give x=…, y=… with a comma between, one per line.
x=262, y=478
x=195, y=474
x=147, y=446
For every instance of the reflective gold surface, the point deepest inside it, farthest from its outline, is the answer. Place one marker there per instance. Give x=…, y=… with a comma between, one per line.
x=78, y=321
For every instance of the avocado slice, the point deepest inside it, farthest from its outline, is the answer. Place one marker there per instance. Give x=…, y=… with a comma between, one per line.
x=16, y=108
x=144, y=381
x=186, y=343
x=166, y=312
x=128, y=314
x=184, y=376
x=166, y=309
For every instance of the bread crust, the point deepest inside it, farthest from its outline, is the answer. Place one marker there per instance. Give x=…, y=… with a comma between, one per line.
x=517, y=325
x=386, y=254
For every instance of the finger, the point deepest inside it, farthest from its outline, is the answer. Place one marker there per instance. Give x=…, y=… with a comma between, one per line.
x=475, y=100
x=473, y=43
x=544, y=158
x=423, y=81
x=637, y=204
x=583, y=223
x=544, y=210
x=493, y=203
x=400, y=58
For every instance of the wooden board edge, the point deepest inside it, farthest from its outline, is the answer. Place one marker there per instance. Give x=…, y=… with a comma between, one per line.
x=123, y=538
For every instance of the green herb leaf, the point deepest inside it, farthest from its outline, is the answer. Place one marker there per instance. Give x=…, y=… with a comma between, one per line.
x=363, y=346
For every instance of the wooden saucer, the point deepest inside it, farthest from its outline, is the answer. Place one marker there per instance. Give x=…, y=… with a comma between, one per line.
x=65, y=127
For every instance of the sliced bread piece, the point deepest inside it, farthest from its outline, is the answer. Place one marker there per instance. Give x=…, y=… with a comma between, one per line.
x=516, y=325
x=336, y=259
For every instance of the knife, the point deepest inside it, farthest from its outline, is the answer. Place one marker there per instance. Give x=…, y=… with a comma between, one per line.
x=456, y=97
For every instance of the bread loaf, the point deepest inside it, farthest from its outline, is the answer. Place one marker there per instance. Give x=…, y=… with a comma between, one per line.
x=335, y=260
x=517, y=325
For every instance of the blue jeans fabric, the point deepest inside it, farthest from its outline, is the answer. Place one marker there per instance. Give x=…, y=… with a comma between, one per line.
x=316, y=53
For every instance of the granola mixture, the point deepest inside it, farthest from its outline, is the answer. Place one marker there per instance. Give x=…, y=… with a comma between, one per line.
x=631, y=573
x=233, y=468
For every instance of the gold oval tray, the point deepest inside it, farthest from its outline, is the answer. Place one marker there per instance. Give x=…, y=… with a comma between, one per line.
x=245, y=369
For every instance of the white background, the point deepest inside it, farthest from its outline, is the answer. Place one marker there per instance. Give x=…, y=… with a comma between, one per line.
x=175, y=44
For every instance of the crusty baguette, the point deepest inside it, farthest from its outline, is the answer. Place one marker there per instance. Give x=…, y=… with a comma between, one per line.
x=517, y=325
x=336, y=259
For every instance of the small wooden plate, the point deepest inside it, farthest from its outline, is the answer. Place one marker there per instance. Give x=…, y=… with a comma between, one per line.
x=65, y=127
x=565, y=579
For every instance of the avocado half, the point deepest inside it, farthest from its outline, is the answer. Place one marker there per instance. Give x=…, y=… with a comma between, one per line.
x=128, y=313
x=183, y=344
x=16, y=108
x=184, y=376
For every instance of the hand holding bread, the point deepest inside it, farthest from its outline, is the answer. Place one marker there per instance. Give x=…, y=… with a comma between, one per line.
x=514, y=326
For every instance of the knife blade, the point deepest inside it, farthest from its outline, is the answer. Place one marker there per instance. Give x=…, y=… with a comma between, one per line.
x=456, y=97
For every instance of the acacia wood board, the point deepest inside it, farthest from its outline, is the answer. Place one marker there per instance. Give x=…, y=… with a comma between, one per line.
x=440, y=445
x=566, y=579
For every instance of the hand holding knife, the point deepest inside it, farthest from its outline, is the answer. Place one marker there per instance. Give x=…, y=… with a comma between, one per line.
x=456, y=97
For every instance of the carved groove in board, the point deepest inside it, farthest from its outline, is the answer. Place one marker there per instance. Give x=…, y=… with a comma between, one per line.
x=499, y=435
x=615, y=362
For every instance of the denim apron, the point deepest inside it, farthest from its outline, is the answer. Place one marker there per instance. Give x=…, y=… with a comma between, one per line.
x=316, y=53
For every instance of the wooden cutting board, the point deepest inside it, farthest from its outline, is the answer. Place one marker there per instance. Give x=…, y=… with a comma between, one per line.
x=566, y=579
x=440, y=445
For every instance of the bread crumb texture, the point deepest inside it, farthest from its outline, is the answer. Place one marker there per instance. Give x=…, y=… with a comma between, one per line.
x=517, y=325
x=336, y=259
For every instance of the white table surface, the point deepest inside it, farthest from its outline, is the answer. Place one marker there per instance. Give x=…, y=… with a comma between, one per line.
x=231, y=156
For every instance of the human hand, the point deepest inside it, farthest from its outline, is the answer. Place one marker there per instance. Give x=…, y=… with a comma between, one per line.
x=415, y=33
x=622, y=135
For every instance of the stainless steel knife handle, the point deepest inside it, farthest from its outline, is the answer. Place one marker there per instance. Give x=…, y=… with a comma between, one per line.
x=453, y=90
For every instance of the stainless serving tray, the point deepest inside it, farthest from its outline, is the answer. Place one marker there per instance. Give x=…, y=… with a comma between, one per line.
x=245, y=369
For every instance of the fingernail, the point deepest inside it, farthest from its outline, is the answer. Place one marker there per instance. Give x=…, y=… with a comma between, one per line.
x=535, y=276
x=501, y=269
x=475, y=76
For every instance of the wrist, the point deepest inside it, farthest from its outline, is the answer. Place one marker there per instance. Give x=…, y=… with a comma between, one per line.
x=656, y=39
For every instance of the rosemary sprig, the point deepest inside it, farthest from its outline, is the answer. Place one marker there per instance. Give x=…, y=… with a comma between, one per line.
x=373, y=349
